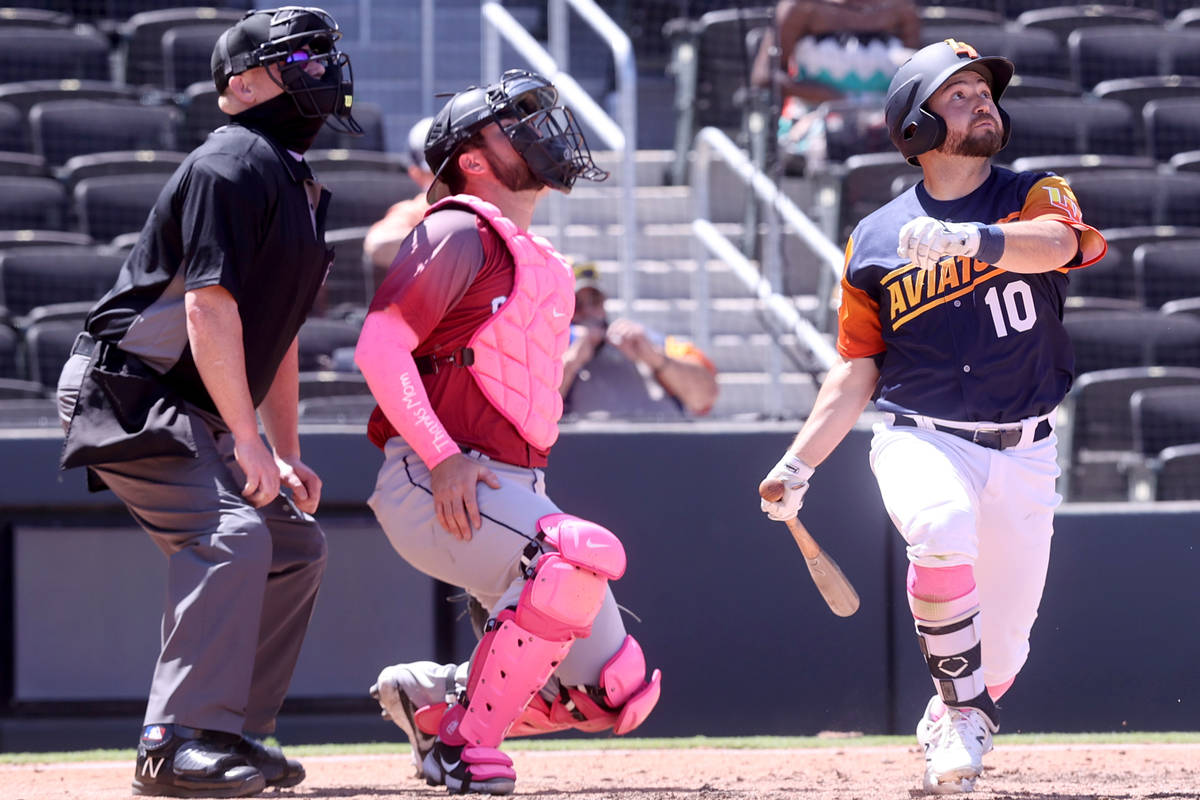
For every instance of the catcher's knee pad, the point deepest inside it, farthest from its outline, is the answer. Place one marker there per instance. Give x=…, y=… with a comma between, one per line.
x=522, y=647
x=565, y=586
x=953, y=651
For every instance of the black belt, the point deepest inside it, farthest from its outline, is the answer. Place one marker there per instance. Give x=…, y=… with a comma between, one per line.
x=994, y=438
x=429, y=365
x=84, y=344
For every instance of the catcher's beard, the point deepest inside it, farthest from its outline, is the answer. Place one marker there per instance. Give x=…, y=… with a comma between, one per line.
x=975, y=144
x=515, y=175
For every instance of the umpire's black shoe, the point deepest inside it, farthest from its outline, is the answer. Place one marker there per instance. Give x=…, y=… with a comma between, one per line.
x=278, y=770
x=176, y=761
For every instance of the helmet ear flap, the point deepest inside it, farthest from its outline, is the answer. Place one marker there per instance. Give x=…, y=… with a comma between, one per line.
x=1006, y=126
x=925, y=133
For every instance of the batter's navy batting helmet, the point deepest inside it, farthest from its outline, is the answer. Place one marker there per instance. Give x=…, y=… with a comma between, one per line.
x=545, y=135
x=279, y=36
x=913, y=127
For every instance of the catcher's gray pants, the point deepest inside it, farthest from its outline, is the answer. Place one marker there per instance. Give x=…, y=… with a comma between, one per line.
x=241, y=581
x=488, y=566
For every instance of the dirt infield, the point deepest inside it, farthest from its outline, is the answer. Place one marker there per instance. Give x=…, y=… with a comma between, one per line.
x=1041, y=772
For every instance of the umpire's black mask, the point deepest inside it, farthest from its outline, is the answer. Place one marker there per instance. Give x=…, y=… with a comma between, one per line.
x=281, y=120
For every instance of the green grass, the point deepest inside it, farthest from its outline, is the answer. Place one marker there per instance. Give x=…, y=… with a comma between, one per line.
x=614, y=743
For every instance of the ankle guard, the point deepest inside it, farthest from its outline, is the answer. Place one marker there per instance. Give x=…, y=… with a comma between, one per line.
x=953, y=653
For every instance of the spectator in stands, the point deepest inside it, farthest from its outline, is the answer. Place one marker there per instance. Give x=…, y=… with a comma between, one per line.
x=159, y=399
x=822, y=50
x=622, y=370
x=383, y=239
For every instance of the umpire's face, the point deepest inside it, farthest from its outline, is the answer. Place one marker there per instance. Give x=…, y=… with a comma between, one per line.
x=973, y=126
x=260, y=84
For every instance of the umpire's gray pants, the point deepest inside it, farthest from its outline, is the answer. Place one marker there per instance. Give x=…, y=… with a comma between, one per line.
x=241, y=581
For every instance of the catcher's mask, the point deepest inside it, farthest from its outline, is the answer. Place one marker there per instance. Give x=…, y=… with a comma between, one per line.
x=542, y=132
x=913, y=128
x=292, y=36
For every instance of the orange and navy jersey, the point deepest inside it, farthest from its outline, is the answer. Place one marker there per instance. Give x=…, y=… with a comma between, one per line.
x=966, y=340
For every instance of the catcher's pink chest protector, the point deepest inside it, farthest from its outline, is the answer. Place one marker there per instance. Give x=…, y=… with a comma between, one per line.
x=518, y=351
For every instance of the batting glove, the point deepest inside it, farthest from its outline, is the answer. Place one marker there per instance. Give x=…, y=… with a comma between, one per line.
x=793, y=474
x=925, y=241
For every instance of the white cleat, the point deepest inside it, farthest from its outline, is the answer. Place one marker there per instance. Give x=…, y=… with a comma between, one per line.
x=399, y=690
x=955, y=741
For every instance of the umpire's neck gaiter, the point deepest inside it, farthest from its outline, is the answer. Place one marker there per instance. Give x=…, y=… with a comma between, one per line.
x=281, y=120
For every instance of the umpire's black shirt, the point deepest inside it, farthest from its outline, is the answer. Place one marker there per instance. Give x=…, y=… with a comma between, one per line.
x=236, y=213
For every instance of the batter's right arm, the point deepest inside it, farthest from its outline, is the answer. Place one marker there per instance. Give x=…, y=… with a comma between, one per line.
x=844, y=394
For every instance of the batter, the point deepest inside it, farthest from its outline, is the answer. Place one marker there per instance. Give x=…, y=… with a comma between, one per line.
x=951, y=320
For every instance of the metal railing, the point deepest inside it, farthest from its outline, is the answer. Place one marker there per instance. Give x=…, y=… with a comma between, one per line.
x=498, y=22
x=712, y=144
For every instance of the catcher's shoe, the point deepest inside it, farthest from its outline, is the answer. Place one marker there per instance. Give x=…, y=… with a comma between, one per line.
x=399, y=691
x=466, y=768
x=176, y=761
x=277, y=769
x=955, y=741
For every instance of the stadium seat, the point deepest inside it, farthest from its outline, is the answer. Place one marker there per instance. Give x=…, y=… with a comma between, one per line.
x=1109, y=277
x=35, y=53
x=361, y=198
x=1013, y=9
x=142, y=37
x=31, y=277
x=1035, y=52
x=1040, y=86
x=1096, y=429
x=1061, y=20
x=24, y=95
x=201, y=115
x=17, y=388
x=1177, y=473
x=326, y=161
x=1172, y=126
x=1116, y=339
x=11, y=357
x=1136, y=92
x=1060, y=125
x=1124, y=51
x=319, y=337
x=1129, y=197
x=1185, y=162
x=75, y=311
x=61, y=129
x=1126, y=240
x=108, y=206
x=38, y=203
x=1186, y=18
x=13, y=136
x=711, y=62
x=1184, y=305
x=369, y=117
x=47, y=347
x=1072, y=164
x=25, y=164
x=866, y=184
x=12, y=239
x=35, y=18
x=121, y=162
x=349, y=281
x=187, y=55
x=1165, y=416
x=956, y=14
x=1167, y=271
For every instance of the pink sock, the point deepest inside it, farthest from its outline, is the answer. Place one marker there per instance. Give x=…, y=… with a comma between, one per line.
x=939, y=593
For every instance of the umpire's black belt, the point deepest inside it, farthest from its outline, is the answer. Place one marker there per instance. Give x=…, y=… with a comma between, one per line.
x=995, y=438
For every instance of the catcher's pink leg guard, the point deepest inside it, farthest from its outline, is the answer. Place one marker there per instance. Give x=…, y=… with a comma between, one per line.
x=945, y=605
x=521, y=648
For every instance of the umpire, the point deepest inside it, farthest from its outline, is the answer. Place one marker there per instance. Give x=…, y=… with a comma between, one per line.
x=160, y=393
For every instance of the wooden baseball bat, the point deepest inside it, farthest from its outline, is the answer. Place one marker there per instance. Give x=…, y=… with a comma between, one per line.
x=826, y=574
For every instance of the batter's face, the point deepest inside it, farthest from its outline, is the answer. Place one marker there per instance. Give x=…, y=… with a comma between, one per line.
x=973, y=126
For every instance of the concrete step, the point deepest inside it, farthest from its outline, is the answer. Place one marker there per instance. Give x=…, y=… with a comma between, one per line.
x=726, y=315
x=664, y=280
x=752, y=395
x=602, y=205
x=650, y=166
